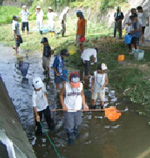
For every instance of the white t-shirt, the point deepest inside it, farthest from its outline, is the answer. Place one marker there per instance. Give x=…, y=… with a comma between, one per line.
x=24, y=15
x=87, y=53
x=39, y=99
x=63, y=16
x=73, y=99
x=51, y=16
x=39, y=16
x=142, y=18
x=15, y=27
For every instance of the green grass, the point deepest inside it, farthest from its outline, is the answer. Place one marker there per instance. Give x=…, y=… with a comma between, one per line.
x=6, y=14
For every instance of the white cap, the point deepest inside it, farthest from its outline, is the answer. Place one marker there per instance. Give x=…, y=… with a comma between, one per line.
x=38, y=7
x=37, y=82
x=67, y=8
x=104, y=66
x=49, y=7
x=24, y=6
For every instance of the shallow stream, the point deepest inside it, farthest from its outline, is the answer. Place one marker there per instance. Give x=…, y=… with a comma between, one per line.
x=128, y=137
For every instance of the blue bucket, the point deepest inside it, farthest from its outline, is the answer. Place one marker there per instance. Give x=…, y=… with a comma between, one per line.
x=127, y=39
x=23, y=67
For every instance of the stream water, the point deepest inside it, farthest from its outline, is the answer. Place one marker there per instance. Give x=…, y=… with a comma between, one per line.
x=128, y=137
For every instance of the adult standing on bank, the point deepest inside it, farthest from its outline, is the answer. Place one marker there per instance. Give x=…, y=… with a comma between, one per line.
x=118, y=17
x=73, y=101
x=41, y=105
x=81, y=23
x=143, y=18
x=51, y=19
x=24, y=18
x=63, y=20
x=16, y=32
x=39, y=19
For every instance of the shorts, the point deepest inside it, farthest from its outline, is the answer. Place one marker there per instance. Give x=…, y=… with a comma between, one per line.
x=143, y=30
x=45, y=62
x=25, y=25
x=86, y=65
x=72, y=119
x=59, y=79
x=135, y=41
x=78, y=39
x=100, y=95
x=18, y=41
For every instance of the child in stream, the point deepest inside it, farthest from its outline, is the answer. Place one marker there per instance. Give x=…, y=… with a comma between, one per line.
x=16, y=32
x=73, y=101
x=47, y=52
x=41, y=105
x=99, y=81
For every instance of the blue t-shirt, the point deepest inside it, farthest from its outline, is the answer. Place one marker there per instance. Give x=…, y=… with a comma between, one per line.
x=59, y=64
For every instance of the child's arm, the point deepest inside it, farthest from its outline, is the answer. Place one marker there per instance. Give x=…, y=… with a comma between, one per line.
x=106, y=82
x=62, y=99
x=92, y=84
x=85, y=107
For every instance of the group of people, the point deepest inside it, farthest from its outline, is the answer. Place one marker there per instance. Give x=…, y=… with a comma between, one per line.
x=136, y=24
x=71, y=94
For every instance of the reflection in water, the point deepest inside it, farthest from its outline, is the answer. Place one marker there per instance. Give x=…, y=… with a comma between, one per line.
x=128, y=137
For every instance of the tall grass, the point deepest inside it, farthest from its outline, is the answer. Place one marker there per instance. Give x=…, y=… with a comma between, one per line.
x=6, y=14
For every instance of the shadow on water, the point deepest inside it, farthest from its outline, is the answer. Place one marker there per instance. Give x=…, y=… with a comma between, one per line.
x=128, y=137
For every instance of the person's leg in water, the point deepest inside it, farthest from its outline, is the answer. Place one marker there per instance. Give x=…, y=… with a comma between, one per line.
x=38, y=126
x=69, y=125
x=78, y=121
x=102, y=98
x=49, y=120
x=93, y=101
x=57, y=82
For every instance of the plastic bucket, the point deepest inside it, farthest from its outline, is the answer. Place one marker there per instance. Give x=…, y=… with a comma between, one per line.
x=121, y=58
x=82, y=39
x=139, y=54
x=127, y=39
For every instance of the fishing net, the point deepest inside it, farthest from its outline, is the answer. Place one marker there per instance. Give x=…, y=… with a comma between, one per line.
x=23, y=67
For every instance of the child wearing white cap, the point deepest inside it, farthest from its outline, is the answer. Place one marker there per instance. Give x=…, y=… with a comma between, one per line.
x=24, y=17
x=99, y=81
x=39, y=19
x=41, y=105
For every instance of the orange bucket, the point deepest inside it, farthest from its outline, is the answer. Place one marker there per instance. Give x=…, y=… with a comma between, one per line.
x=121, y=57
x=112, y=113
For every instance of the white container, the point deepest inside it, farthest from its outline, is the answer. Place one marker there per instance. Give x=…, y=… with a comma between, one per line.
x=139, y=54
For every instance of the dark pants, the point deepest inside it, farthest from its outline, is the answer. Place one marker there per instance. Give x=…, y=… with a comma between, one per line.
x=25, y=25
x=118, y=26
x=18, y=41
x=86, y=65
x=49, y=120
x=135, y=42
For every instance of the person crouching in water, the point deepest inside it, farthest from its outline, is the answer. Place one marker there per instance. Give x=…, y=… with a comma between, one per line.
x=46, y=55
x=73, y=101
x=41, y=105
x=99, y=81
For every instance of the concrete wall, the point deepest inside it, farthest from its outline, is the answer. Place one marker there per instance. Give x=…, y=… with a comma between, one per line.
x=9, y=122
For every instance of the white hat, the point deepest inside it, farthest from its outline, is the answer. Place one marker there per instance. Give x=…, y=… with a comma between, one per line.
x=104, y=66
x=24, y=6
x=38, y=7
x=37, y=83
x=49, y=7
x=67, y=8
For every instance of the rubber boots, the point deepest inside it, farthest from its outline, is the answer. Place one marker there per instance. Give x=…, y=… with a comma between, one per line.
x=70, y=139
x=76, y=134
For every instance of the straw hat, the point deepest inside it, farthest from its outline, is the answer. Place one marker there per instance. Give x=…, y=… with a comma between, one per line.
x=38, y=7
